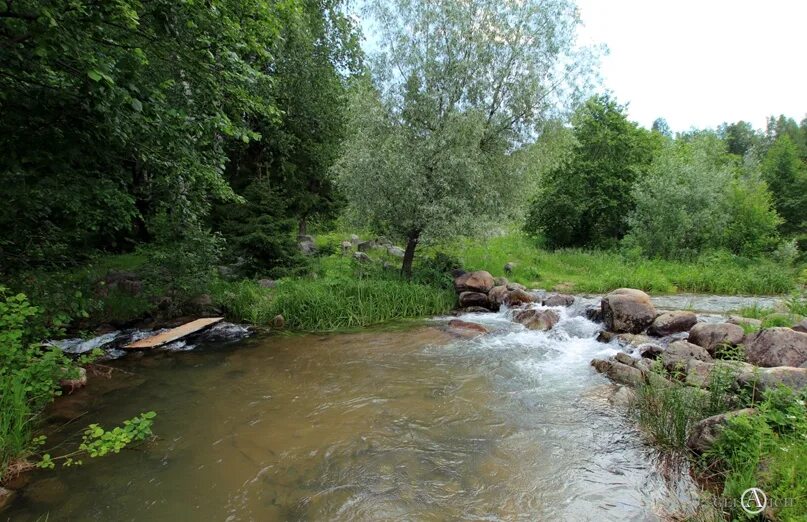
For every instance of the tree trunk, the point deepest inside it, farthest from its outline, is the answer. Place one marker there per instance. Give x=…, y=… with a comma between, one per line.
x=409, y=254
x=302, y=226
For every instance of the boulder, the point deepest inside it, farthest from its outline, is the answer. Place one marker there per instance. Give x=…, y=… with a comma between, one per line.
x=650, y=351
x=627, y=310
x=68, y=386
x=712, y=335
x=704, y=434
x=480, y=281
x=474, y=299
x=699, y=373
x=366, y=246
x=516, y=286
x=459, y=324
x=395, y=251
x=475, y=310
x=761, y=379
x=679, y=353
x=347, y=246
x=361, y=257
x=537, y=319
x=594, y=314
x=669, y=323
x=619, y=372
x=633, y=339
x=559, y=300
x=801, y=326
x=777, y=347
x=497, y=294
x=508, y=267
x=307, y=247
x=624, y=358
x=517, y=297
x=605, y=336
x=623, y=397
x=267, y=283
x=278, y=321
x=354, y=239
x=740, y=321
x=500, y=281
x=6, y=497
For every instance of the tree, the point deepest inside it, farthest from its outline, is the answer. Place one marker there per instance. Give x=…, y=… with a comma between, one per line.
x=786, y=175
x=694, y=199
x=740, y=137
x=116, y=112
x=661, y=126
x=586, y=201
x=458, y=86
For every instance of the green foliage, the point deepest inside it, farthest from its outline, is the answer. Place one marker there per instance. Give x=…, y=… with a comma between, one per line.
x=332, y=305
x=116, y=111
x=785, y=172
x=29, y=376
x=692, y=201
x=601, y=271
x=22, y=358
x=181, y=263
x=766, y=450
x=343, y=295
x=667, y=412
x=260, y=232
x=586, y=201
x=428, y=155
x=98, y=442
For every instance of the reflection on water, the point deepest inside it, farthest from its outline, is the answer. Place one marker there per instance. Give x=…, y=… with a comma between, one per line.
x=412, y=424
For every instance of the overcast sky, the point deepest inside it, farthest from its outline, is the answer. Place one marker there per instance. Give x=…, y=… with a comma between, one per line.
x=699, y=63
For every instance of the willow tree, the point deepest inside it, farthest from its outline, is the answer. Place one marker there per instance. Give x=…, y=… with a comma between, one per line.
x=454, y=89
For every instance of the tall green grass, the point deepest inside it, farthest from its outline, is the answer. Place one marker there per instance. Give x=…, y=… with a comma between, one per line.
x=601, y=271
x=332, y=304
x=15, y=421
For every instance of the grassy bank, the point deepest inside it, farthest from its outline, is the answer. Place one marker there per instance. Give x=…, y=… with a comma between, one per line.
x=340, y=293
x=767, y=449
x=601, y=271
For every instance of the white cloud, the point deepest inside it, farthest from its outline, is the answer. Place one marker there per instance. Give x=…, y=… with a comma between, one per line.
x=699, y=63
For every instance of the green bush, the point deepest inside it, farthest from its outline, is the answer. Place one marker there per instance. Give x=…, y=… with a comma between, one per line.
x=29, y=376
x=696, y=199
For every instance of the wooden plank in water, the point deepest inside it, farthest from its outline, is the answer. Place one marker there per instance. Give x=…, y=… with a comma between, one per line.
x=174, y=334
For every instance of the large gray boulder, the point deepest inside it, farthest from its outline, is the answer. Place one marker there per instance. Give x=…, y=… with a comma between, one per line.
x=777, y=347
x=619, y=372
x=713, y=335
x=704, y=434
x=699, y=373
x=761, y=379
x=679, y=353
x=537, y=319
x=479, y=281
x=627, y=310
x=801, y=326
x=669, y=323
x=559, y=300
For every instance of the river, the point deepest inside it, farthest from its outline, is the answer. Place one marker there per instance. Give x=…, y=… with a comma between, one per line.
x=405, y=423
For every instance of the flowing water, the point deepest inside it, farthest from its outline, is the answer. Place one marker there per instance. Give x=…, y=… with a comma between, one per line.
x=411, y=423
